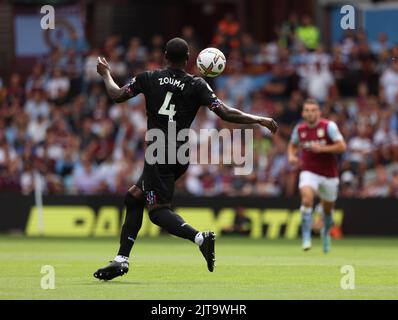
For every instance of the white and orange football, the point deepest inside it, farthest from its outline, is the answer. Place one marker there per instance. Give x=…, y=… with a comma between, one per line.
x=211, y=62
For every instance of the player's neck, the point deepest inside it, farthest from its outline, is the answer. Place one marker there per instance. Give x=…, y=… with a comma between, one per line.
x=313, y=125
x=178, y=67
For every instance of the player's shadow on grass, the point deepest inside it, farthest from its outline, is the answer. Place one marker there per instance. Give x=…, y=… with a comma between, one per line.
x=98, y=282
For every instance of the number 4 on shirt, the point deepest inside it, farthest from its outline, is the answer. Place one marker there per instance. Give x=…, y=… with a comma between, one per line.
x=166, y=108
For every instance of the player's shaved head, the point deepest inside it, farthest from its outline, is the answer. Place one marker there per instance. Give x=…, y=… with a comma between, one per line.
x=311, y=111
x=177, y=51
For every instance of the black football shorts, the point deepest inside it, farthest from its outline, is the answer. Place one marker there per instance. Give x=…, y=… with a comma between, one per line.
x=158, y=182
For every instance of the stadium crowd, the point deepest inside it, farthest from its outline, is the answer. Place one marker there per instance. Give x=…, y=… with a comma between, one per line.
x=59, y=122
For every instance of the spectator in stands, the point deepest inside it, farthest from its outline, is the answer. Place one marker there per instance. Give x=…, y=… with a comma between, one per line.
x=15, y=89
x=268, y=54
x=379, y=187
x=76, y=43
x=118, y=66
x=276, y=167
x=155, y=60
x=58, y=86
x=338, y=66
x=37, y=129
x=72, y=64
x=90, y=74
x=111, y=44
x=37, y=80
x=9, y=179
x=366, y=63
x=320, y=82
x=136, y=56
x=64, y=166
x=157, y=42
x=238, y=87
x=291, y=114
x=360, y=150
x=37, y=105
x=287, y=31
x=300, y=57
x=389, y=83
x=7, y=154
x=227, y=33
x=53, y=61
x=385, y=141
x=307, y=33
x=382, y=44
x=278, y=85
x=188, y=34
x=86, y=179
x=249, y=46
x=319, y=56
x=348, y=185
x=27, y=179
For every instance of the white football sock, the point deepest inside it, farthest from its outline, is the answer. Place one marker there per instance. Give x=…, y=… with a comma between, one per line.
x=306, y=222
x=199, y=238
x=121, y=259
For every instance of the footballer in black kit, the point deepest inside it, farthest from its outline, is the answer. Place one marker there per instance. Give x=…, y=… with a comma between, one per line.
x=173, y=97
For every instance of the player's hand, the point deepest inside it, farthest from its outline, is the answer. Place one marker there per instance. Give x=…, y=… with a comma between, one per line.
x=268, y=123
x=293, y=160
x=316, y=148
x=102, y=66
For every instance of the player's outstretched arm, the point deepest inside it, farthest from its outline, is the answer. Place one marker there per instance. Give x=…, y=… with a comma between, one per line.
x=116, y=93
x=236, y=116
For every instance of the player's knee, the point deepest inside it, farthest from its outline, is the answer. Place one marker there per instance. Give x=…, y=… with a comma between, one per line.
x=130, y=200
x=307, y=201
x=154, y=215
x=327, y=208
x=155, y=212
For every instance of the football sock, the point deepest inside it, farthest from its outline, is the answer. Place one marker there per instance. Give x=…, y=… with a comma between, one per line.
x=121, y=259
x=132, y=223
x=199, y=238
x=306, y=222
x=172, y=223
x=327, y=222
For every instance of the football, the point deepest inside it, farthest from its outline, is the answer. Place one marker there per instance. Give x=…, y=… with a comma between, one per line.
x=211, y=62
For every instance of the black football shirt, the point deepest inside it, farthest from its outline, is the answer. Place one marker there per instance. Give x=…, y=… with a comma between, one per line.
x=172, y=95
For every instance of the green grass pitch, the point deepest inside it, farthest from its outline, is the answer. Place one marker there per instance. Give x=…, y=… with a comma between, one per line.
x=171, y=268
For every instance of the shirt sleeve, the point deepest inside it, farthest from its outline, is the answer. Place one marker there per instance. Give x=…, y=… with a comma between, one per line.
x=294, y=138
x=136, y=85
x=334, y=132
x=206, y=96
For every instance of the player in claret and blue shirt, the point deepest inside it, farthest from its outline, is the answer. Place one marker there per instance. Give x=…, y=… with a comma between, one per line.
x=313, y=146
